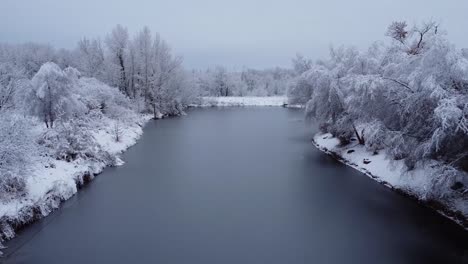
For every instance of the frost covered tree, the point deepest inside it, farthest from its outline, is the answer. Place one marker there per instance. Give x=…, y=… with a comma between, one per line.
x=165, y=67
x=221, y=82
x=301, y=64
x=10, y=77
x=91, y=60
x=51, y=95
x=398, y=31
x=414, y=40
x=117, y=44
x=132, y=69
x=117, y=129
x=144, y=47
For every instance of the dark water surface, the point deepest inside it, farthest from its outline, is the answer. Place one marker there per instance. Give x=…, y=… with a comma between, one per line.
x=240, y=185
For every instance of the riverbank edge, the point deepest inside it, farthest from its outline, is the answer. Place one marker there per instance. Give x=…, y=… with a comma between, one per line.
x=29, y=214
x=441, y=208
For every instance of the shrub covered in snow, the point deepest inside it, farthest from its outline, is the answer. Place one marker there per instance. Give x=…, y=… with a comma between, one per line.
x=105, y=100
x=16, y=152
x=443, y=178
x=70, y=141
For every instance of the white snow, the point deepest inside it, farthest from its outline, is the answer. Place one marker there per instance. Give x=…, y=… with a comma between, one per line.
x=243, y=101
x=107, y=141
x=390, y=172
x=379, y=165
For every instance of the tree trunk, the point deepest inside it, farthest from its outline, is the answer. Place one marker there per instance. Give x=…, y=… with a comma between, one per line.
x=359, y=138
x=122, y=75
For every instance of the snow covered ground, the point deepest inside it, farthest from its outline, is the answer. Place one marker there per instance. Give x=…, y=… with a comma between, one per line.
x=53, y=181
x=242, y=101
x=390, y=173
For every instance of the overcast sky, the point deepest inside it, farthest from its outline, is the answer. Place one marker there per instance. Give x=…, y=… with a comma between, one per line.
x=251, y=33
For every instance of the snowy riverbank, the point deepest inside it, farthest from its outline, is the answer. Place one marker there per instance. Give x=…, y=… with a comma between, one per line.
x=53, y=181
x=393, y=174
x=242, y=101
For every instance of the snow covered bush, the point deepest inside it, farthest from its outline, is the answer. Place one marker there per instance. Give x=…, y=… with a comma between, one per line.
x=443, y=178
x=101, y=98
x=450, y=139
x=71, y=140
x=16, y=152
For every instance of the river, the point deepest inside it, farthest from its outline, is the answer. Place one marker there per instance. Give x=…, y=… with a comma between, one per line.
x=237, y=185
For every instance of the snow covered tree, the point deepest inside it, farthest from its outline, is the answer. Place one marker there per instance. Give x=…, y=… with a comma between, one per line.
x=301, y=64
x=51, y=95
x=91, y=58
x=117, y=129
x=10, y=75
x=398, y=31
x=412, y=41
x=248, y=77
x=132, y=70
x=221, y=82
x=165, y=66
x=117, y=44
x=144, y=47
